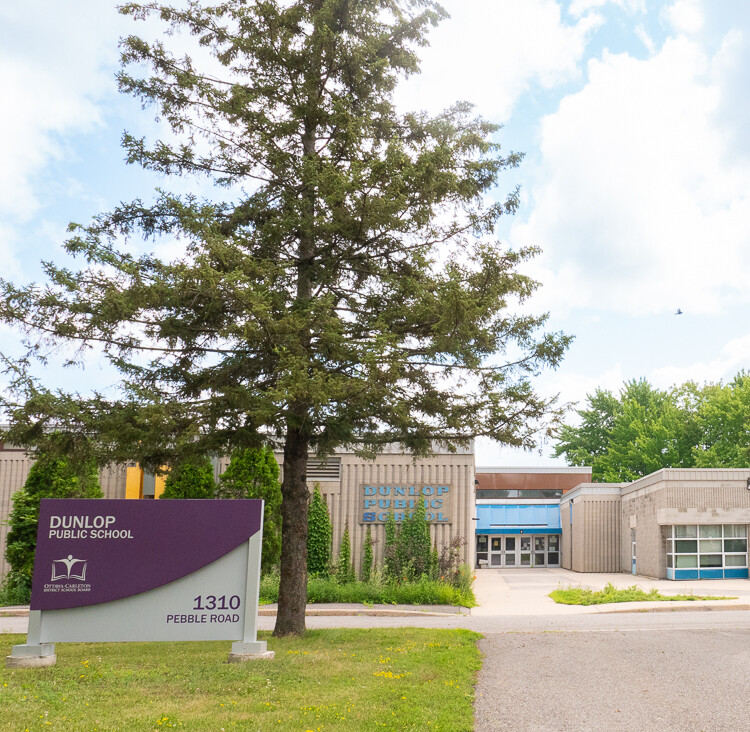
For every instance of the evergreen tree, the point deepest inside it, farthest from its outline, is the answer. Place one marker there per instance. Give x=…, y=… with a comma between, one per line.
x=319, y=536
x=344, y=567
x=190, y=478
x=49, y=477
x=367, y=556
x=339, y=285
x=254, y=473
x=391, y=559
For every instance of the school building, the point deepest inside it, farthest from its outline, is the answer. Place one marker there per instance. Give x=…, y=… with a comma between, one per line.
x=673, y=524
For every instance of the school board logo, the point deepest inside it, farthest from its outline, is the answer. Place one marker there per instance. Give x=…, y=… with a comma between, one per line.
x=69, y=568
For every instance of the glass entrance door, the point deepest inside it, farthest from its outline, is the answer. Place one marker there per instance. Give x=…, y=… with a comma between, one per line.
x=539, y=550
x=509, y=556
x=523, y=550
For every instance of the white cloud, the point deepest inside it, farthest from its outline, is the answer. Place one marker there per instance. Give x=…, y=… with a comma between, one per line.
x=490, y=53
x=572, y=388
x=644, y=38
x=638, y=205
x=579, y=7
x=685, y=16
x=51, y=77
x=733, y=357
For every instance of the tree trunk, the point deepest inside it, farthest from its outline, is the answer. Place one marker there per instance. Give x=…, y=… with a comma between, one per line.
x=290, y=619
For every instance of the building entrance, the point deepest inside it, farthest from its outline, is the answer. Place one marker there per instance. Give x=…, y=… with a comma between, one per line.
x=521, y=550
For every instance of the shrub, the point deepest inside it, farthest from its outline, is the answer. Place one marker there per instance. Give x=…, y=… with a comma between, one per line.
x=254, y=473
x=191, y=478
x=449, y=561
x=344, y=568
x=49, y=477
x=367, y=556
x=391, y=559
x=319, y=536
x=413, y=542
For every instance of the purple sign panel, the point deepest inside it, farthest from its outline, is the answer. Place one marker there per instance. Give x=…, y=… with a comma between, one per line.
x=99, y=550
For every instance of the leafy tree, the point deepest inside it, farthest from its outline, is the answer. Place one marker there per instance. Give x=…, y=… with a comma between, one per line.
x=319, y=536
x=723, y=418
x=585, y=443
x=642, y=431
x=49, y=477
x=190, y=478
x=254, y=473
x=367, y=556
x=343, y=287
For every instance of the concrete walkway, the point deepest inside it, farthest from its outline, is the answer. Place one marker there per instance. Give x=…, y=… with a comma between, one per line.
x=525, y=592
x=512, y=593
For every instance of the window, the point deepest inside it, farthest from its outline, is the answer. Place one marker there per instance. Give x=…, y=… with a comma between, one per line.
x=707, y=551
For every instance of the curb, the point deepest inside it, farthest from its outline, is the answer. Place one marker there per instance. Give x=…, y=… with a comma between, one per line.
x=266, y=611
x=667, y=607
x=332, y=612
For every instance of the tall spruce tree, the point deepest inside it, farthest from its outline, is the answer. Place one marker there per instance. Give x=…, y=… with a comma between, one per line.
x=343, y=286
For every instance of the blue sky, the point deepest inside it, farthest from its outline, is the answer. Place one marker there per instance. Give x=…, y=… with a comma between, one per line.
x=633, y=115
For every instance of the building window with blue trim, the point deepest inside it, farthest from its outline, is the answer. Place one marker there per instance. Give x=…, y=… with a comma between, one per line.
x=716, y=551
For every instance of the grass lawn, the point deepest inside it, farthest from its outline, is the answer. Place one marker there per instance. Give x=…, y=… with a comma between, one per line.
x=375, y=679
x=581, y=596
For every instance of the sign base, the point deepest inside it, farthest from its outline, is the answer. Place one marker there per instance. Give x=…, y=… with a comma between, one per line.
x=249, y=651
x=32, y=656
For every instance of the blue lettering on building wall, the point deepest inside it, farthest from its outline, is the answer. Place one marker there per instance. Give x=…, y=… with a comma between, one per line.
x=376, y=509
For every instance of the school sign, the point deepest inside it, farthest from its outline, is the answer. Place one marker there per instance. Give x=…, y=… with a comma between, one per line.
x=123, y=570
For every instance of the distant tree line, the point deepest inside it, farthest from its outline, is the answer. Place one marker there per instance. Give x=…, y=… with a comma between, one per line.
x=643, y=429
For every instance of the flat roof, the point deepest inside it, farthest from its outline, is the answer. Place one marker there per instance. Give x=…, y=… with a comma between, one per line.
x=551, y=470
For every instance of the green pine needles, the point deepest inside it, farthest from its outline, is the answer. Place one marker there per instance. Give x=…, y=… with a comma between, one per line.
x=333, y=288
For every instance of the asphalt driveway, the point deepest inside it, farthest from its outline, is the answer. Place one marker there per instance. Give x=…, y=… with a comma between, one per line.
x=644, y=680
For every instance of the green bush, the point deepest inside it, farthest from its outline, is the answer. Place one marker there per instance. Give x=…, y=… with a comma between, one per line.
x=254, y=473
x=413, y=543
x=49, y=477
x=391, y=558
x=344, y=567
x=376, y=592
x=449, y=560
x=191, y=478
x=367, y=556
x=319, y=536
x=269, y=587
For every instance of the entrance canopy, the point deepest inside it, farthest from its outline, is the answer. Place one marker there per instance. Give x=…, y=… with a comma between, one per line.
x=518, y=519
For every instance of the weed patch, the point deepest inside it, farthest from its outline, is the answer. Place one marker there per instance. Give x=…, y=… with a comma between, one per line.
x=584, y=596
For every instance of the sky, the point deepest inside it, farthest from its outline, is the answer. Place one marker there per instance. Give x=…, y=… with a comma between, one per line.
x=632, y=114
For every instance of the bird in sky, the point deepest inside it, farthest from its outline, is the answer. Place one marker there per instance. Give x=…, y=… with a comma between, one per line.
x=679, y=312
